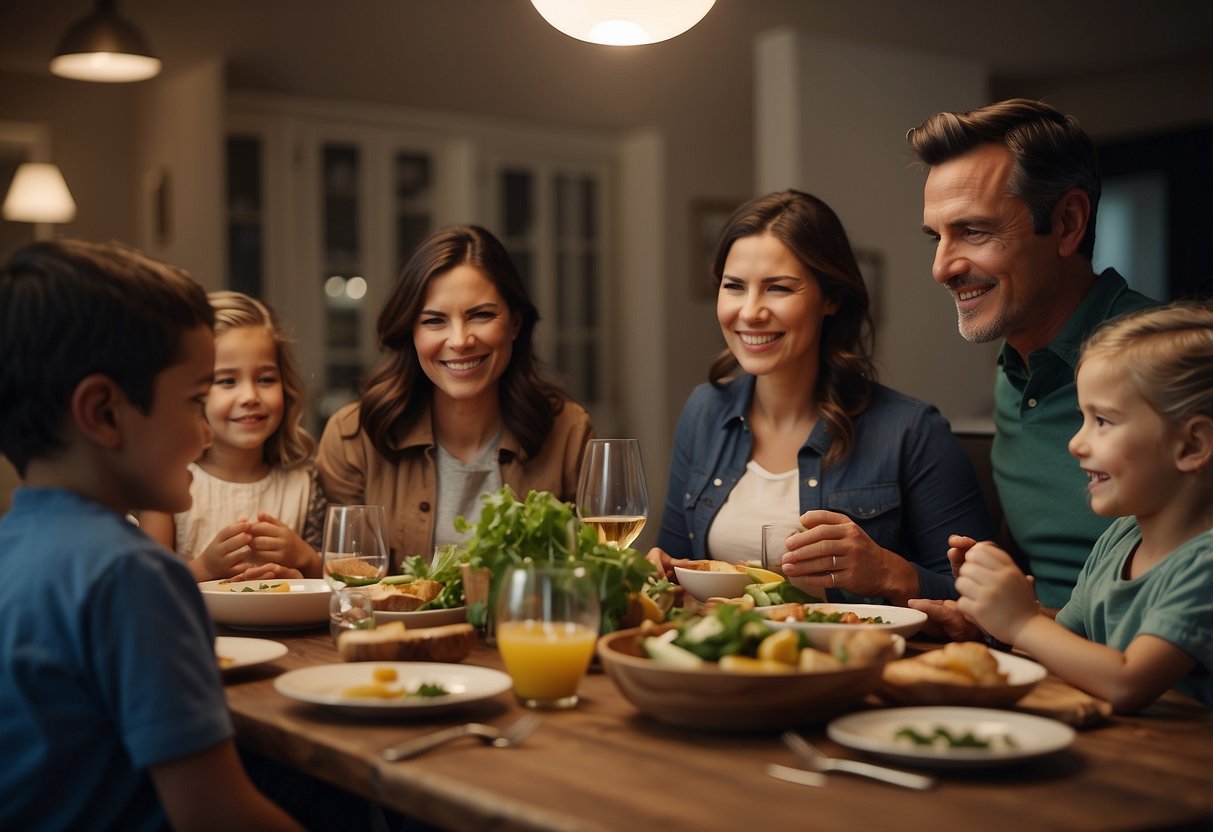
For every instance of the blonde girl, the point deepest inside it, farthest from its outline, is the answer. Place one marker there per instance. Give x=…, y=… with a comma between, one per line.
x=1140, y=620
x=258, y=508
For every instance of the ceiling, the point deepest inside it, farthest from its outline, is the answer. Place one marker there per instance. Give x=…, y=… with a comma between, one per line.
x=498, y=57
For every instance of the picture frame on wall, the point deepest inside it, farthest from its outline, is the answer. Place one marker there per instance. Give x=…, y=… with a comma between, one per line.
x=871, y=266
x=707, y=220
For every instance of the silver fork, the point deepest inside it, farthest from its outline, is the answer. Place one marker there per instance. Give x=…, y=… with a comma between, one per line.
x=499, y=738
x=817, y=760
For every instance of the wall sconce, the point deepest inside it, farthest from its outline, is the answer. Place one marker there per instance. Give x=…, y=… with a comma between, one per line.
x=38, y=194
x=623, y=22
x=104, y=46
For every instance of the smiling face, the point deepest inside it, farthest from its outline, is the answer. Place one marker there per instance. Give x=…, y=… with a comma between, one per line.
x=1124, y=446
x=1003, y=276
x=770, y=308
x=158, y=445
x=464, y=335
x=245, y=403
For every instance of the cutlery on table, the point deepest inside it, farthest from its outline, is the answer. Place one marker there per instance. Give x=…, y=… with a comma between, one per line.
x=817, y=760
x=496, y=737
x=796, y=775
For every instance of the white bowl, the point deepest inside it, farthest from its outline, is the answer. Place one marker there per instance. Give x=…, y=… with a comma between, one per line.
x=418, y=619
x=903, y=621
x=702, y=585
x=306, y=605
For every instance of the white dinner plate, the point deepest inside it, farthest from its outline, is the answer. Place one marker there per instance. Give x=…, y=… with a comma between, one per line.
x=875, y=732
x=246, y=652
x=306, y=605
x=902, y=621
x=423, y=618
x=324, y=685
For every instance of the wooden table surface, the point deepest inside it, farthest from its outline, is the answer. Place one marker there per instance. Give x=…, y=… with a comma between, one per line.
x=605, y=766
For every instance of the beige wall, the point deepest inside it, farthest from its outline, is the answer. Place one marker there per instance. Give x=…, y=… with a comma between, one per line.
x=90, y=140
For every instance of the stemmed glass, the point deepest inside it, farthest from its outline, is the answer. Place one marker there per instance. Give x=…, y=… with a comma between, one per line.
x=611, y=493
x=548, y=618
x=355, y=551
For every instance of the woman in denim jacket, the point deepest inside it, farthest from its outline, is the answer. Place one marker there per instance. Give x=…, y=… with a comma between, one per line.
x=793, y=423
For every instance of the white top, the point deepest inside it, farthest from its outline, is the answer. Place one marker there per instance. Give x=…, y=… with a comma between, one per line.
x=219, y=503
x=759, y=497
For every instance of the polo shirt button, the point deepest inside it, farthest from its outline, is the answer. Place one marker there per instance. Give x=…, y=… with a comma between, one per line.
x=690, y=535
x=424, y=506
x=718, y=482
x=1031, y=402
x=811, y=482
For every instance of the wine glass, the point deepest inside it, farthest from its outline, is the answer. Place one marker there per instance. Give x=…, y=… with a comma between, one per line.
x=355, y=553
x=611, y=494
x=548, y=618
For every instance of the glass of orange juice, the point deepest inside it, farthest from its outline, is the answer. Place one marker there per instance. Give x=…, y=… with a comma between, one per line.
x=547, y=626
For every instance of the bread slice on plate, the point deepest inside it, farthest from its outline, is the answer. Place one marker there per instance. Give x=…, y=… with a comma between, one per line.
x=393, y=643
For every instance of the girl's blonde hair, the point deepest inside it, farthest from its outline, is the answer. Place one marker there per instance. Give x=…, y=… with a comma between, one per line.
x=290, y=444
x=1166, y=354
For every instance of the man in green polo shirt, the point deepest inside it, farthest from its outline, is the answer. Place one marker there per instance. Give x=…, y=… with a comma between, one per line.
x=1010, y=199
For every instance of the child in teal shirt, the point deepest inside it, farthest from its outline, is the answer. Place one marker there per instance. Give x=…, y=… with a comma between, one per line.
x=1140, y=619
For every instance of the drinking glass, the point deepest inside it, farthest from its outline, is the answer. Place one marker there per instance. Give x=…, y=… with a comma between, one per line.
x=355, y=553
x=350, y=609
x=547, y=624
x=611, y=493
x=774, y=545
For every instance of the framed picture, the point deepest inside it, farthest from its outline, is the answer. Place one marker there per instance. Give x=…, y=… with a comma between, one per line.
x=708, y=217
x=871, y=266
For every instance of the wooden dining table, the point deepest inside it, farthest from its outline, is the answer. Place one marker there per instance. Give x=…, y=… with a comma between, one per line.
x=603, y=765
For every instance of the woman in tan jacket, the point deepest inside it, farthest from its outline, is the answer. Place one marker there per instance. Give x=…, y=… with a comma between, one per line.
x=459, y=407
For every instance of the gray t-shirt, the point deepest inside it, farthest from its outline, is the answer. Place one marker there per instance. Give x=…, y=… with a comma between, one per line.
x=460, y=485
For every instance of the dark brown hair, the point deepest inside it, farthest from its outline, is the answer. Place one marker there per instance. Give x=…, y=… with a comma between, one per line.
x=70, y=309
x=399, y=391
x=815, y=237
x=1052, y=153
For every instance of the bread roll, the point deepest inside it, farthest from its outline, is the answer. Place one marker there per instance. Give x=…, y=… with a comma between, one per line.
x=393, y=643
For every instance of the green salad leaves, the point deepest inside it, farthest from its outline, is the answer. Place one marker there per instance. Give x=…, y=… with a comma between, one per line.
x=542, y=528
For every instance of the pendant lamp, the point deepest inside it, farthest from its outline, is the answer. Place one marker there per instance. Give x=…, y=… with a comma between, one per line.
x=104, y=46
x=623, y=22
x=38, y=193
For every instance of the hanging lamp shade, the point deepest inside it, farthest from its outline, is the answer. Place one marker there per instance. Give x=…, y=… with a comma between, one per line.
x=623, y=22
x=38, y=193
x=104, y=46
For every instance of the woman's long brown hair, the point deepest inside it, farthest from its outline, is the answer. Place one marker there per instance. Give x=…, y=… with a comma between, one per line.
x=398, y=392
x=815, y=237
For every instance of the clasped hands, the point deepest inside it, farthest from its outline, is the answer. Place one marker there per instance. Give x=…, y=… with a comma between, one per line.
x=283, y=554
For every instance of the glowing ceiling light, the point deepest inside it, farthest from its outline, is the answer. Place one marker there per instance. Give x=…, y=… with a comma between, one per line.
x=623, y=22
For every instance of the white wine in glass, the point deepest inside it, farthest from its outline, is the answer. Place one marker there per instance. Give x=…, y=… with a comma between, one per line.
x=611, y=494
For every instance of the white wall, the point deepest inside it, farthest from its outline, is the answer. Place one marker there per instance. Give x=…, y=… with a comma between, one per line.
x=179, y=145
x=851, y=105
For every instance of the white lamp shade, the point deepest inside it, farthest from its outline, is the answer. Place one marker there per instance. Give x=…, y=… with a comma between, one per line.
x=113, y=67
x=38, y=193
x=623, y=22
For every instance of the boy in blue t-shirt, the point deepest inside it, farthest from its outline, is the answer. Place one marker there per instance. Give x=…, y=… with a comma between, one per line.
x=112, y=713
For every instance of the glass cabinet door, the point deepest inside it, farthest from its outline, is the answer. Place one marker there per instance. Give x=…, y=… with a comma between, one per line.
x=342, y=279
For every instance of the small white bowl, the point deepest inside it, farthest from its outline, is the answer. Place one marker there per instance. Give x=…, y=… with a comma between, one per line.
x=306, y=605
x=703, y=585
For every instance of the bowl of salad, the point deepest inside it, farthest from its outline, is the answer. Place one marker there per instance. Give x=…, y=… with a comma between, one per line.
x=730, y=670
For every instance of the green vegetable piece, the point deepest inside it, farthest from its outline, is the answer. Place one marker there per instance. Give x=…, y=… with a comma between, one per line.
x=353, y=580
x=671, y=654
x=761, y=599
x=431, y=689
x=396, y=580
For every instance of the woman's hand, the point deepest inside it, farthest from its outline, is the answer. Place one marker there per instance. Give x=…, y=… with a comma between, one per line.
x=835, y=553
x=275, y=542
x=665, y=563
x=223, y=556
x=994, y=593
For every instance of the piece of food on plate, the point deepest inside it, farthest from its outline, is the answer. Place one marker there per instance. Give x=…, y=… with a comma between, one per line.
x=404, y=597
x=352, y=571
x=711, y=566
x=393, y=642
x=958, y=663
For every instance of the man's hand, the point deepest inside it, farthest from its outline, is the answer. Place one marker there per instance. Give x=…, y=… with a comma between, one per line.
x=945, y=620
